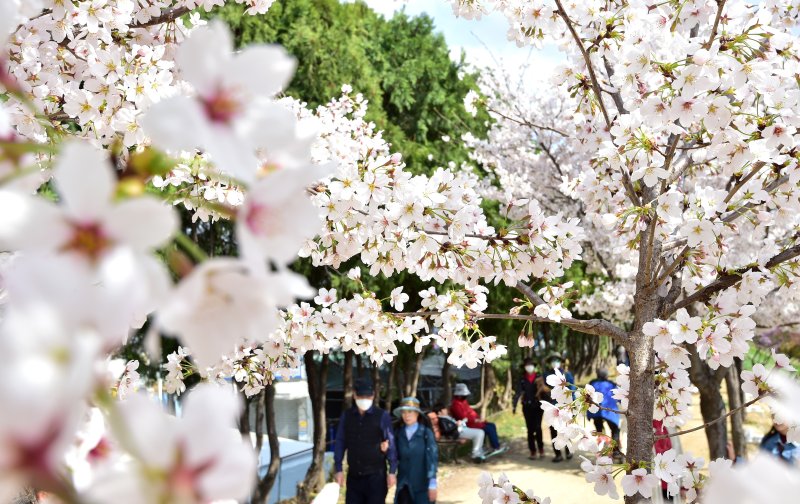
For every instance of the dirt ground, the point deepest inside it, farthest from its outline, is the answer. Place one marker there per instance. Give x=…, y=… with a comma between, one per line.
x=563, y=482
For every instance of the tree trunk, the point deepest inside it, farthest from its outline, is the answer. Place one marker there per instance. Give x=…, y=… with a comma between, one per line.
x=738, y=363
x=712, y=406
x=505, y=400
x=266, y=406
x=641, y=397
x=412, y=392
x=640, y=405
x=387, y=405
x=447, y=388
x=347, y=378
x=482, y=395
x=488, y=392
x=317, y=380
x=376, y=381
x=737, y=421
x=27, y=496
x=244, y=419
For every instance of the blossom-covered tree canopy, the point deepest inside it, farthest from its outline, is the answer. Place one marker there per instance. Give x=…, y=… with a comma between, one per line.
x=669, y=147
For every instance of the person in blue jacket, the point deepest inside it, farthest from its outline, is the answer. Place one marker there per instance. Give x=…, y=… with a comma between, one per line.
x=417, y=456
x=603, y=385
x=775, y=442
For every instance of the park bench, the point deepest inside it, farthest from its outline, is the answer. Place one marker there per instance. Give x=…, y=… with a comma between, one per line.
x=448, y=449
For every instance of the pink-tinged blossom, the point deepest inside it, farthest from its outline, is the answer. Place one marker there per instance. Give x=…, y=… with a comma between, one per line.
x=639, y=481
x=228, y=117
x=197, y=458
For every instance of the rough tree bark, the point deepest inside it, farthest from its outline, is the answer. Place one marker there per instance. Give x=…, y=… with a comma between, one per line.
x=447, y=390
x=347, y=378
x=265, y=406
x=412, y=389
x=733, y=386
x=28, y=496
x=317, y=379
x=387, y=403
x=488, y=389
x=712, y=406
x=505, y=400
x=244, y=419
x=376, y=381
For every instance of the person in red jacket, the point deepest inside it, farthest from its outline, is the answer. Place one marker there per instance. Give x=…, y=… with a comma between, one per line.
x=461, y=410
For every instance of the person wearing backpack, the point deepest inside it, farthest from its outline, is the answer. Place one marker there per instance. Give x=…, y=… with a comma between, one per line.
x=450, y=428
x=530, y=389
x=417, y=456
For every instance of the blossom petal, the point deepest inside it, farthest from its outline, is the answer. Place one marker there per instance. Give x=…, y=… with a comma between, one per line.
x=176, y=124
x=200, y=57
x=261, y=70
x=142, y=223
x=28, y=223
x=85, y=180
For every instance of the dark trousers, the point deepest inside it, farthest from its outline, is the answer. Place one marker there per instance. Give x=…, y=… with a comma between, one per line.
x=369, y=489
x=553, y=434
x=598, y=426
x=491, y=432
x=533, y=422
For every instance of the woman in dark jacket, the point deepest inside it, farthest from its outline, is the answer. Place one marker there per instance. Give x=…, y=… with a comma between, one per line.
x=417, y=456
x=530, y=390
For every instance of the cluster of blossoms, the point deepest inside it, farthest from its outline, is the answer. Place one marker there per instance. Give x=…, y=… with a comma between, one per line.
x=682, y=145
x=83, y=271
x=98, y=64
x=357, y=324
x=431, y=226
x=502, y=490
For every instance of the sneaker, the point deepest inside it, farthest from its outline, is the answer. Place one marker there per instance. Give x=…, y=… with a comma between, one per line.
x=557, y=458
x=541, y=454
x=569, y=456
x=533, y=456
x=479, y=459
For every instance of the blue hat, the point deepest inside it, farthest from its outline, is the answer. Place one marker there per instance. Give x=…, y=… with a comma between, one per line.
x=407, y=404
x=363, y=387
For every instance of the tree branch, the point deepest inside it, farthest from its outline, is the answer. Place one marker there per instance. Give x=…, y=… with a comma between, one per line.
x=729, y=279
x=720, y=5
x=712, y=422
x=167, y=16
x=597, y=327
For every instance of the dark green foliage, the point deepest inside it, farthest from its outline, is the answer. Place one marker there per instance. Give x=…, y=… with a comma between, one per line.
x=400, y=65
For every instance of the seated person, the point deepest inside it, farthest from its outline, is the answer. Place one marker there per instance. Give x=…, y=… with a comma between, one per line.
x=775, y=442
x=461, y=410
x=445, y=426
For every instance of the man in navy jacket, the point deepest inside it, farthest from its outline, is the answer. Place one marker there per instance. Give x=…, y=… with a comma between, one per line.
x=365, y=433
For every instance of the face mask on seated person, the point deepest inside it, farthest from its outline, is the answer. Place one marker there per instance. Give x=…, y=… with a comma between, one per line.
x=529, y=369
x=364, y=404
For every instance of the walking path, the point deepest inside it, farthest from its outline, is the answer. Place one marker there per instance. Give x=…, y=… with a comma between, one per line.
x=562, y=482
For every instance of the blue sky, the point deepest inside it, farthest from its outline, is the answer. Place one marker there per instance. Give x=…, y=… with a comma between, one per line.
x=483, y=41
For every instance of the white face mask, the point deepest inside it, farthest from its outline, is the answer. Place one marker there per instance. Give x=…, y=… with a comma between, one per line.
x=364, y=404
x=529, y=369
x=556, y=364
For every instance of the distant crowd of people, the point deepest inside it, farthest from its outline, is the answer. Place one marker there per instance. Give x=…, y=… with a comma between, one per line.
x=381, y=454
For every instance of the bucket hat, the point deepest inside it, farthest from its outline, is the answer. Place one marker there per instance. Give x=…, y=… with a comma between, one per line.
x=407, y=404
x=461, y=389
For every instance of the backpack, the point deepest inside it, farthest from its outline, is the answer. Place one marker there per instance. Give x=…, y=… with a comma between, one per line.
x=448, y=427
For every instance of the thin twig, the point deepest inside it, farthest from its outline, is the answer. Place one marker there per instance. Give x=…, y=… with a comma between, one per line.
x=712, y=422
x=729, y=279
x=720, y=5
x=167, y=16
x=597, y=327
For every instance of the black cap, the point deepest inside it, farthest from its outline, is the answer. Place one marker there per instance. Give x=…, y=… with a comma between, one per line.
x=363, y=387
